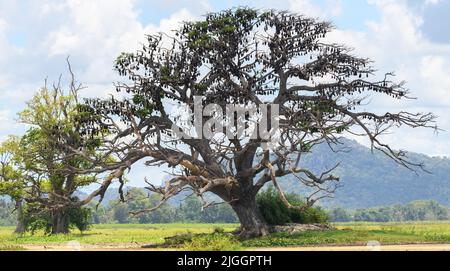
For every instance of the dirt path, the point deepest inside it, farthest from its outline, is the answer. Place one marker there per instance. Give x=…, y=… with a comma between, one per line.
x=370, y=247
x=74, y=246
x=409, y=247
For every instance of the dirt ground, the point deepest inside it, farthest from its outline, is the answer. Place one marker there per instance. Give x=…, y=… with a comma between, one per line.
x=410, y=247
x=370, y=247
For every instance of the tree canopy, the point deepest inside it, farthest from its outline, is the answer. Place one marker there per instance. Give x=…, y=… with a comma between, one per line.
x=39, y=168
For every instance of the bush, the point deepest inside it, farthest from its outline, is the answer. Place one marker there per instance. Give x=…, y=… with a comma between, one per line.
x=275, y=212
x=218, y=240
x=212, y=242
x=7, y=215
x=9, y=246
x=80, y=218
x=340, y=215
x=35, y=220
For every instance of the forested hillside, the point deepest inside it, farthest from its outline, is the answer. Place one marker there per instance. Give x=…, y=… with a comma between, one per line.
x=368, y=179
x=372, y=179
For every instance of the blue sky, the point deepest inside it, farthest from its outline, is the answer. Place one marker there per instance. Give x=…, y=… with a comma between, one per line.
x=411, y=37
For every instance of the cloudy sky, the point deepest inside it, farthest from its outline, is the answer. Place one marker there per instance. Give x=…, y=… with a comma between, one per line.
x=410, y=37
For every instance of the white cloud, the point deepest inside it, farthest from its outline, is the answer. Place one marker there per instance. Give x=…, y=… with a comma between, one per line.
x=4, y=46
x=96, y=32
x=4, y=119
x=8, y=123
x=433, y=2
x=332, y=8
x=93, y=33
x=62, y=41
x=435, y=73
x=396, y=43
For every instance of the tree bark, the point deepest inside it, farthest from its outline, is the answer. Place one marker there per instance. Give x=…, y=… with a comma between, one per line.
x=20, y=227
x=252, y=222
x=60, y=222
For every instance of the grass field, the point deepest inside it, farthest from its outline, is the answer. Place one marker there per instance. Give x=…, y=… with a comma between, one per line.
x=126, y=236
x=110, y=235
x=361, y=233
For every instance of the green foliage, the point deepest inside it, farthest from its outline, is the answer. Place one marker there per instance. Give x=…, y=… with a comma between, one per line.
x=34, y=221
x=121, y=213
x=339, y=215
x=115, y=211
x=7, y=216
x=212, y=242
x=308, y=238
x=11, y=175
x=370, y=179
x=40, y=167
x=218, y=240
x=190, y=210
x=275, y=212
x=143, y=108
x=135, y=235
x=99, y=213
x=80, y=218
x=178, y=240
x=178, y=235
x=360, y=233
x=419, y=210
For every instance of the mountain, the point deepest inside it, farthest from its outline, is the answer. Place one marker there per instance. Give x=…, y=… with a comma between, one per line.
x=112, y=194
x=373, y=179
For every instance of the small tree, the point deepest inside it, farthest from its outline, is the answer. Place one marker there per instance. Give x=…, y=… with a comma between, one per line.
x=275, y=212
x=12, y=179
x=121, y=213
x=339, y=214
x=249, y=58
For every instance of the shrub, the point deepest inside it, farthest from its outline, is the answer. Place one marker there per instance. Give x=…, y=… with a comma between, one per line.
x=275, y=212
x=80, y=218
x=218, y=240
x=35, y=219
x=212, y=242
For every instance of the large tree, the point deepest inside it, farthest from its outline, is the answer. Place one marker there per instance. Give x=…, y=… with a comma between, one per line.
x=39, y=168
x=247, y=57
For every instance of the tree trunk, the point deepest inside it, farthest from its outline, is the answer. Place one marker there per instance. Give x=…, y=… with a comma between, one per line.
x=60, y=222
x=252, y=222
x=20, y=227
